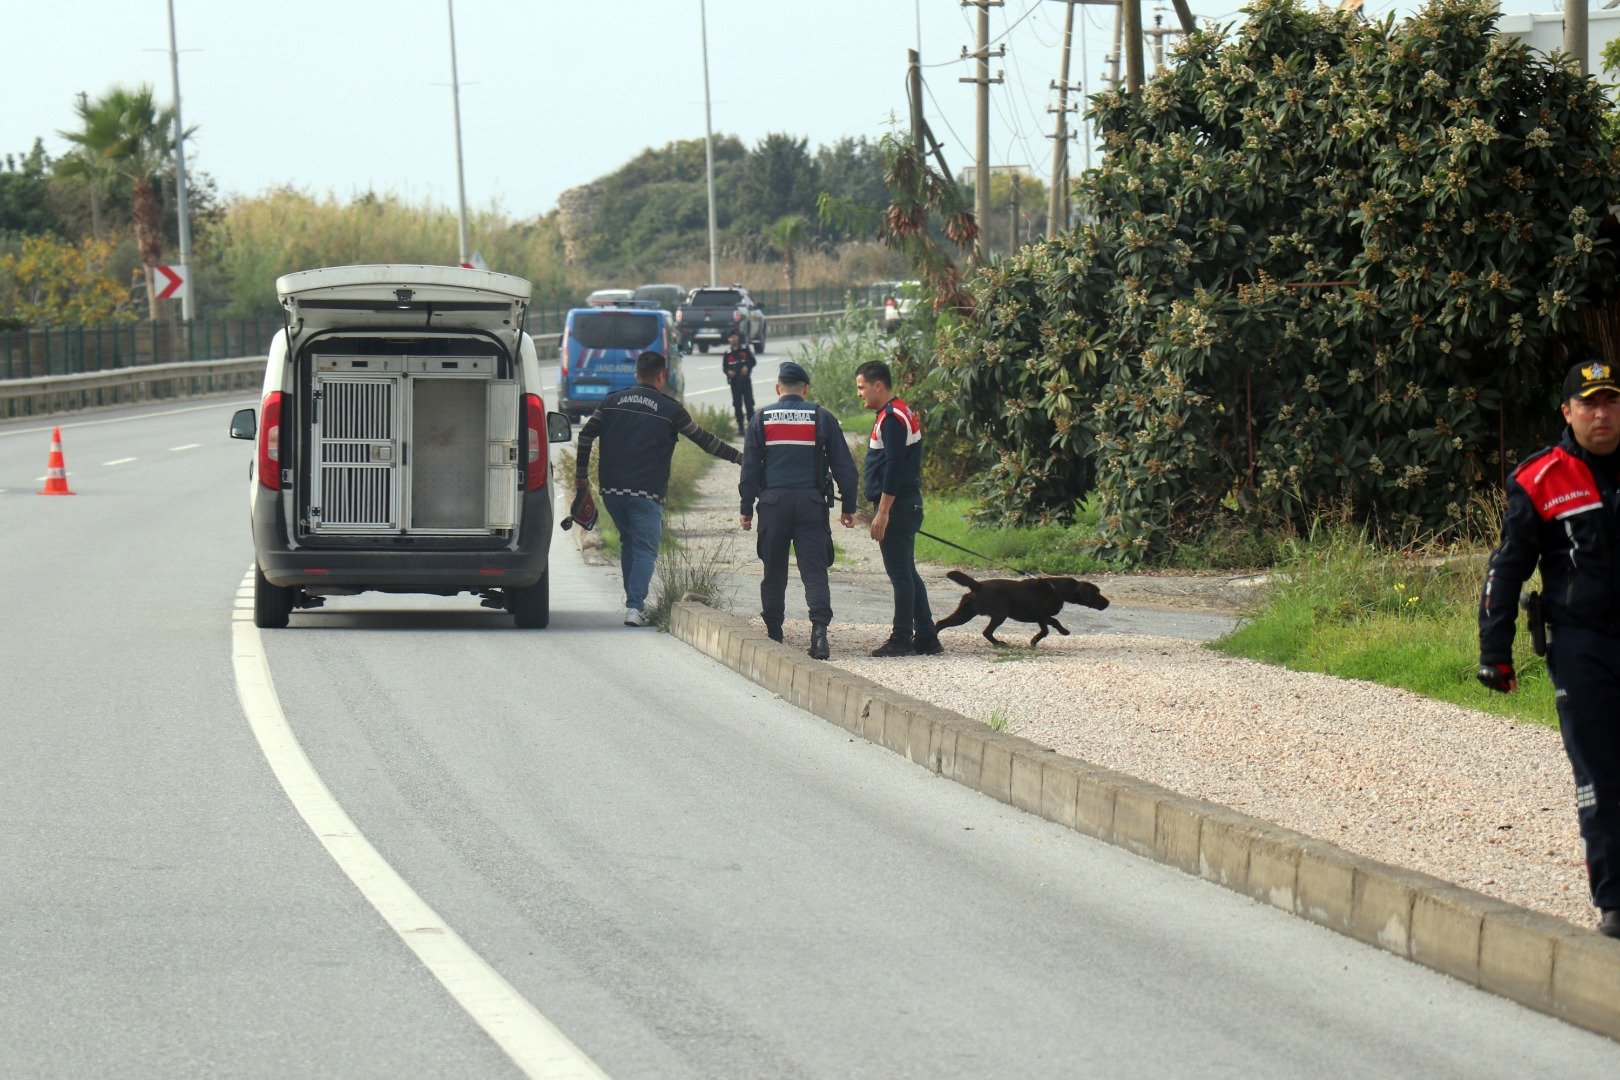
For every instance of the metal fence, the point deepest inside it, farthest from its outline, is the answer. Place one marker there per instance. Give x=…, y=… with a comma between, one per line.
x=72, y=350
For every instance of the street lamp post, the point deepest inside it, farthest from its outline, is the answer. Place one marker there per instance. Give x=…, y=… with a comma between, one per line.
x=708, y=143
x=187, y=310
x=455, y=101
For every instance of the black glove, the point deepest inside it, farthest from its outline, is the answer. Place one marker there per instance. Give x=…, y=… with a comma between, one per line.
x=1498, y=677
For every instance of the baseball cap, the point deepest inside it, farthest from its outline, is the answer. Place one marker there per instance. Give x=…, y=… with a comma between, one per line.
x=792, y=373
x=1588, y=377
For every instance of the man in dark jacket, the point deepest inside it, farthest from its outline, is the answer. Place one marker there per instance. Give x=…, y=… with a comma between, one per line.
x=894, y=484
x=638, y=427
x=738, y=367
x=792, y=454
x=1563, y=513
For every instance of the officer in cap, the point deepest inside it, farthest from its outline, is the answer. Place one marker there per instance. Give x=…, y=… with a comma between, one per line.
x=793, y=452
x=1562, y=504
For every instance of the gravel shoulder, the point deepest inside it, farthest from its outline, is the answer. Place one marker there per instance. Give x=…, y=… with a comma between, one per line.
x=1472, y=798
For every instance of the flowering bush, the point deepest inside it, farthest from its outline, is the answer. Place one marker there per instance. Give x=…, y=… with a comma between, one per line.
x=1322, y=262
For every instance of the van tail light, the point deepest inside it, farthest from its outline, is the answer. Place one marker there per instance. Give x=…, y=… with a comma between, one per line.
x=534, y=430
x=270, y=441
x=563, y=363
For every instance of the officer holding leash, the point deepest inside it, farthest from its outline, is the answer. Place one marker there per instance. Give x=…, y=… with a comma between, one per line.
x=792, y=453
x=1563, y=512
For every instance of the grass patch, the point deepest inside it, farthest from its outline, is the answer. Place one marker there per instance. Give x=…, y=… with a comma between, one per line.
x=1041, y=549
x=1408, y=619
x=684, y=571
x=998, y=721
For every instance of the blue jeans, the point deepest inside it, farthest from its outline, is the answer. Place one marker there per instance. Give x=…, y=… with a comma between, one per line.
x=898, y=546
x=640, y=522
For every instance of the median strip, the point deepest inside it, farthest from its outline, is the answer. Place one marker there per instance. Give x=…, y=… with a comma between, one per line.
x=1534, y=959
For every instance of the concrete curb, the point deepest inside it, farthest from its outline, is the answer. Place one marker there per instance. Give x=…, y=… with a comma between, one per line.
x=1531, y=958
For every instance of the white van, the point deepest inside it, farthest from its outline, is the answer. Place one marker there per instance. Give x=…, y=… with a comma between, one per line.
x=402, y=442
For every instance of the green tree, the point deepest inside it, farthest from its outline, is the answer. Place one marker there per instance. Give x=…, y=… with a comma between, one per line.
x=126, y=133
x=55, y=281
x=1325, y=263
x=852, y=170
x=788, y=235
x=778, y=178
x=24, y=193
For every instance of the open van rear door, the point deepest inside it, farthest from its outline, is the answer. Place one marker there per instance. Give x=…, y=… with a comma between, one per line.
x=404, y=296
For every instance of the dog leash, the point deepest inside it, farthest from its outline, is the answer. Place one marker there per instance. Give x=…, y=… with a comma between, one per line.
x=970, y=551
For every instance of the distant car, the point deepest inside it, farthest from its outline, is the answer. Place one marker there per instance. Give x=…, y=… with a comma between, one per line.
x=899, y=304
x=604, y=297
x=599, y=350
x=669, y=297
x=713, y=313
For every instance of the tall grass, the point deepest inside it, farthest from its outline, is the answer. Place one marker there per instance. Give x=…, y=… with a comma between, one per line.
x=1344, y=605
x=688, y=571
x=1040, y=549
x=262, y=237
x=831, y=358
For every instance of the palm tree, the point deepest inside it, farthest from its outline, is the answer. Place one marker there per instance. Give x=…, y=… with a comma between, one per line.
x=123, y=133
x=788, y=235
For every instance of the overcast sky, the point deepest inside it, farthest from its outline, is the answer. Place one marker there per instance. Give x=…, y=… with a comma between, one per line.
x=342, y=96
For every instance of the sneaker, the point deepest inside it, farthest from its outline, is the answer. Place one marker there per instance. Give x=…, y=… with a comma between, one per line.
x=1609, y=925
x=818, y=643
x=927, y=645
x=894, y=647
x=636, y=617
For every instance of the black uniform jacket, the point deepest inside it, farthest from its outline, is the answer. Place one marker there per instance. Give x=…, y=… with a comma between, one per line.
x=800, y=439
x=1560, y=512
x=638, y=427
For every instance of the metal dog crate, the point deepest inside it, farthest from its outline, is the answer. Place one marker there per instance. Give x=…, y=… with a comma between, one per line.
x=412, y=444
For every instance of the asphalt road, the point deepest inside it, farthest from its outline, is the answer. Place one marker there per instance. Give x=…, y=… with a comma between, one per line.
x=685, y=876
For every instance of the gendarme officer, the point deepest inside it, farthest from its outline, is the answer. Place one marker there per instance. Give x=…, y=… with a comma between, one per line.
x=1563, y=513
x=792, y=453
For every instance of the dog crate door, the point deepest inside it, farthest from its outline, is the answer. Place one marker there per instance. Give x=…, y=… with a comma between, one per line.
x=448, y=422
x=502, y=454
x=354, y=471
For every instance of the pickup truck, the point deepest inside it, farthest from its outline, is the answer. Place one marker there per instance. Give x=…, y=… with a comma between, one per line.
x=712, y=313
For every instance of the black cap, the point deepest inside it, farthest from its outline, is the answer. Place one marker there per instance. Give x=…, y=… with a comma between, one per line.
x=1588, y=377
x=790, y=372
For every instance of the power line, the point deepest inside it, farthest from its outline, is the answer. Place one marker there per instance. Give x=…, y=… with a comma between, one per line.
x=945, y=118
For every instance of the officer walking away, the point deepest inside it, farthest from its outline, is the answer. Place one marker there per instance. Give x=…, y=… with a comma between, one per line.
x=738, y=366
x=1562, y=512
x=638, y=427
x=792, y=454
x=894, y=483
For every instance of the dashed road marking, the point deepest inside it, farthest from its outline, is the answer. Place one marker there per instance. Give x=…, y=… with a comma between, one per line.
x=532, y=1042
x=118, y=461
x=188, y=446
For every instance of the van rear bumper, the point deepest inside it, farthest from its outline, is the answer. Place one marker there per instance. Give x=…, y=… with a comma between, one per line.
x=407, y=569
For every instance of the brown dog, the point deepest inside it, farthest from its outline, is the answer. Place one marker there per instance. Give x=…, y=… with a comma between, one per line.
x=1033, y=599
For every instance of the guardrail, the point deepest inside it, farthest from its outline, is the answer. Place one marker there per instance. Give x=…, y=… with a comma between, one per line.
x=48, y=395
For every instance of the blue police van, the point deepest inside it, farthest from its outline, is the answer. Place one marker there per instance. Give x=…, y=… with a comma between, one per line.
x=599, y=350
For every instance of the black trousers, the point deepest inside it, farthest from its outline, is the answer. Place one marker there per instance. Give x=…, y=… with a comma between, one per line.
x=899, y=549
x=1585, y=669
x=800, y=518
x=742, y=399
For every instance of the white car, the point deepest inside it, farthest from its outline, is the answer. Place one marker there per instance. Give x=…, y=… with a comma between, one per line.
x=402, y=443
x=609, y=297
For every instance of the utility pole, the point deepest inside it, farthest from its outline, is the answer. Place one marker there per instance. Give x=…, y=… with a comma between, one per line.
x=981, y=133
x=914, y=93
x=1057, y=200
x=1158, y=34
x=187, y=311
x=1013, y=207
x=1133, y=46
x=461, y=176
x=1575, y=32
x=1112, y=59
x=708, y=145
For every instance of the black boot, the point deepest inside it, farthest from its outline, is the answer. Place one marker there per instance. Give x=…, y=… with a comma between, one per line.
x=818, y=642
x=927, y=644
x=773, y=632
x=1609, y=925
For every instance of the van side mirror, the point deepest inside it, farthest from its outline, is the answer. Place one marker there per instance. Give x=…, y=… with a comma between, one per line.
x=558, y=427
x=244, y=424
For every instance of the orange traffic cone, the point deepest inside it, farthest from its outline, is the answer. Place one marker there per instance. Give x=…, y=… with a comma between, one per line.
x=56, y=468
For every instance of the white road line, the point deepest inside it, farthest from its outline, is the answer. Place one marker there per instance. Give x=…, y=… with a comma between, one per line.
x=118, y=461
x=532, y=1042
x=188, y=446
